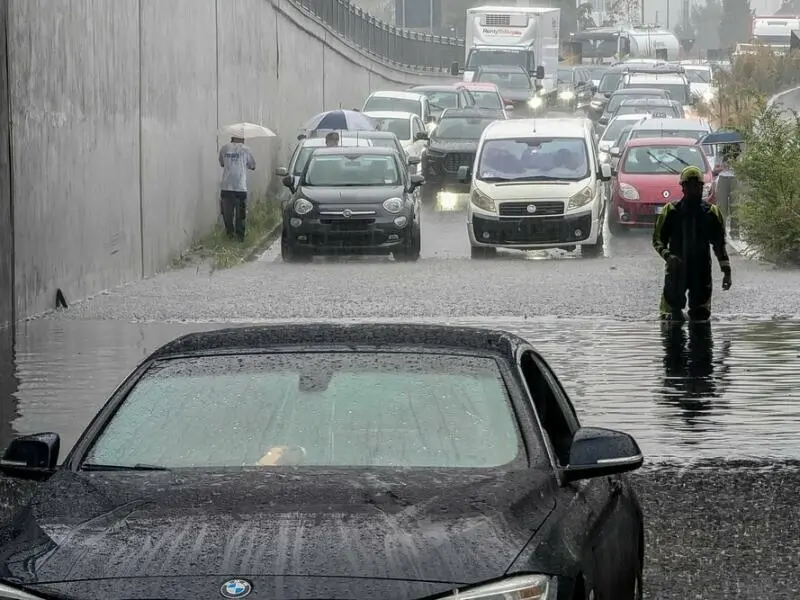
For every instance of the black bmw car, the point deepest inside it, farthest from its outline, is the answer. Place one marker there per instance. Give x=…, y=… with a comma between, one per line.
x=452, y=144
x=352, y=201
x=327, y=461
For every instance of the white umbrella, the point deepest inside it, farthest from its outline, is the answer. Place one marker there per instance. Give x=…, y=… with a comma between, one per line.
x=247, y=131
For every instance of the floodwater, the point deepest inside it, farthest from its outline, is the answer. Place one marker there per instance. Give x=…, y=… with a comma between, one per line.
x=728, y=391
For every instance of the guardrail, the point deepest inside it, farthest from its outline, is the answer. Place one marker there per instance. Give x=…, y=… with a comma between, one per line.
x=393, y=45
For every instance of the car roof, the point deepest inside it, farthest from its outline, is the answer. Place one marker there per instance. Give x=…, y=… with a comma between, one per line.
x=690, y=124
x=659, y=77
x=320, y=141
x=389, y=114
x=661, y=141
x=631, y=91
x=655, y=101
x=568, y=128
x=354, y=150
x=396, y=94
x=316, y=336
x=469, y=112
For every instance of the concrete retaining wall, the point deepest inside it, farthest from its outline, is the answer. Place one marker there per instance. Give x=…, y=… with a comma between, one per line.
x=115, y=106
x=6, y=229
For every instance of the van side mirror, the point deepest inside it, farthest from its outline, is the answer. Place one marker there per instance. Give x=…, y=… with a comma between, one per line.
x=281, y=172
x=597, y=452
x=615, y=152
x=540, y=72
x=32, y=456
x=454, y=71
x=421, y=135
x=464, y=173
x=288, y=182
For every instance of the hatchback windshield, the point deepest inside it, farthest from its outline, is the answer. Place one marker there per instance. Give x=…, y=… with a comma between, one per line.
x=400, y=127
x=675, y=133
x=617, y=99
x=461, y=128
x=333, y=410
x=507, y=81
x=352, y=170
x=565, y=76
x=487, y=99
x=677, y=91
x=442, y=99
x=614, y=128
x=610, y=82
x=306, y=151
x=654, y=160
x=387, y=103
x=533, y=159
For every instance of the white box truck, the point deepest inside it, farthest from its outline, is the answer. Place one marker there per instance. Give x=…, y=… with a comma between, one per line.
x=513, y=35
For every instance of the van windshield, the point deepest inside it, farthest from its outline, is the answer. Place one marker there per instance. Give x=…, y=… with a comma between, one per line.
x=534, y=159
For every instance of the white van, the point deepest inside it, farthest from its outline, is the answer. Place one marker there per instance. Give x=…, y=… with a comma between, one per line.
x=536, y=183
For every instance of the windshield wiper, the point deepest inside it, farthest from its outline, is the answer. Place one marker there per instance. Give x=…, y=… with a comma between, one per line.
x=136, y=467
x=663, y=164
x=495, y=179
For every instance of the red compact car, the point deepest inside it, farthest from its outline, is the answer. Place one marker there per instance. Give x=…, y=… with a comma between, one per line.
x=647, y=178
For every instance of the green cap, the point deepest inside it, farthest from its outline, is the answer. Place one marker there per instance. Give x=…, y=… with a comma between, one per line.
x=691, y=173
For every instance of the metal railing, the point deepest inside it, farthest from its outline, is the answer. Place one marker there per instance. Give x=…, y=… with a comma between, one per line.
x=393, y=45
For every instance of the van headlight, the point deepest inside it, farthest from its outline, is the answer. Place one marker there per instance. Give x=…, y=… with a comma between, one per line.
x=536, y=102
x=393, y=205
x=582, y=198
x=482, y=201
x=525, y=587
x=303, y=206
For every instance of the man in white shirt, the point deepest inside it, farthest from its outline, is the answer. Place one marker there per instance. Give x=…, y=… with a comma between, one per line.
x=235, y=159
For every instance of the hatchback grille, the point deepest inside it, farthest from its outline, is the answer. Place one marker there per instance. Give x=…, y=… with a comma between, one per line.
x=347, y=224
x=454, y=160
x=520, y=209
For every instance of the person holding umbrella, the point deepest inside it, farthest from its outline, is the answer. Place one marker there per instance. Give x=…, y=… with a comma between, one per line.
x=332, y=139
x=235, y=159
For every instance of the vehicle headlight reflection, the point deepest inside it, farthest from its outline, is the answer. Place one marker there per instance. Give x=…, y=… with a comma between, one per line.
x=303, y=206
x=447, y=201
x=582, y=198
x=483, y=201
x=393, y=205
x=536, y=102
x=526, y=587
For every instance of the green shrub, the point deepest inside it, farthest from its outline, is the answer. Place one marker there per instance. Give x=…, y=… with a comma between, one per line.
x=768, y=197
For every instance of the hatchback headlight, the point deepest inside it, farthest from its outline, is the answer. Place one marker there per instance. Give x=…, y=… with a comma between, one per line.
x=393, y=205
x=628, y=192
x=582, y=198
x=303, y=206
x=482, y=201
x=526, y=587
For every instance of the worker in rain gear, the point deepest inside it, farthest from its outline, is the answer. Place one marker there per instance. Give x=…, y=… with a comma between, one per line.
x=683, y=233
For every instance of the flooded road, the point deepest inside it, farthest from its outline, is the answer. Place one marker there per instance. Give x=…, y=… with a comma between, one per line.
x=730, y=391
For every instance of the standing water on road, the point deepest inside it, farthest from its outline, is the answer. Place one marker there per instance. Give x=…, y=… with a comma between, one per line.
x=735, y=394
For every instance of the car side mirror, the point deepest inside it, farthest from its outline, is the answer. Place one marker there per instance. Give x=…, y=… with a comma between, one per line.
x=509, y=107
x=539, y=72
x=454, y=71
x=301, y=137
x=281, y=172
x=464, y=173
x=597, y=452
x=32, y=456
x=615, y=151
x=288, y=182
x=421, y=135
x=414, y=160
x=415, y=180
x=605, y=172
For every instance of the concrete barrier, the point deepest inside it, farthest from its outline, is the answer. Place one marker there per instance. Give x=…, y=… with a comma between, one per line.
x=115, y=107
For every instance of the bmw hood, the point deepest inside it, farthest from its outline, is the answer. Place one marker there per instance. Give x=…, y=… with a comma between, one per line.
x=453, y=145
x=124, y=535
x=350, y=195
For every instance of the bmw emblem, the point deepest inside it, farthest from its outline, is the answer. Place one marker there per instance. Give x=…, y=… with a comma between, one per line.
x=665, y=193
x=531, y=208
x=236, y=588
x=347, y=213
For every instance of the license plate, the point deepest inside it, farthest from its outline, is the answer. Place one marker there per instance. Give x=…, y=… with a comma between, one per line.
x=659, y=209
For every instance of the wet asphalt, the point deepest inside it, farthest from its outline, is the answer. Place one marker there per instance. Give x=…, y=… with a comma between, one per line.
x=714, y=530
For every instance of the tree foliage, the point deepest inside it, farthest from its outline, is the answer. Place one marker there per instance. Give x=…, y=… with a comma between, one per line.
x=736, y=22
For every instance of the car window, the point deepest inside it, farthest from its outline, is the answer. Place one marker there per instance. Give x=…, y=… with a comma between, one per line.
x=461, y=128
x=614, y=127
x=698, y=75
x=344, y=409
x=440, y=100
x=680, y=133
x=652, y=160
x=351, y=170
x=307, y=150
x=534, y=159
x=565, y=76
x=487, y=99
x=677, y=91
x=617, y=99
x=401, y=127
x=655, y=110
x=508, y=81
x=389, y=104
x=610, y=81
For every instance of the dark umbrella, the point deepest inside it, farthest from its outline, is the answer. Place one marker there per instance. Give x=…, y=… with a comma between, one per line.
x=342, y=120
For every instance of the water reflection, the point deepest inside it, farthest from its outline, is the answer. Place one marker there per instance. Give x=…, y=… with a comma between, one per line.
x=8, y=386
x=731, y=391
x=693, y=381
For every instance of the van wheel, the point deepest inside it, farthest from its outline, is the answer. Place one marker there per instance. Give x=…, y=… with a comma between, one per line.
x=482, y=252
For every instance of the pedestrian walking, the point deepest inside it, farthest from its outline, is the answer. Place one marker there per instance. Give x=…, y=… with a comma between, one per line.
x=684, y=233
x=235, y=159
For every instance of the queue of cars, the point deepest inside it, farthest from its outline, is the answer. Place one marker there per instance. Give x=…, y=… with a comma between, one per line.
x=533, y=183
